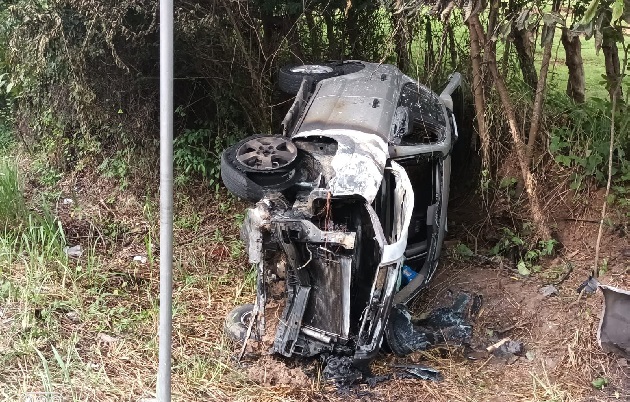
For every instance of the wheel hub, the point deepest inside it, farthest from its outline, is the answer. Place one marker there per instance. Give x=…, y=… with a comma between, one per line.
x=266, y=153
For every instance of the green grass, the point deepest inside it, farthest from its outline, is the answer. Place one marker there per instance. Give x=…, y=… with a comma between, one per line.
x=86, y=327
x=12, y=203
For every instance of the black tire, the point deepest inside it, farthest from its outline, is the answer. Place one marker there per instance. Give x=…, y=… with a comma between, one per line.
x=249, y=184
x=237, y=322
x=346, y=67
x=290, y=79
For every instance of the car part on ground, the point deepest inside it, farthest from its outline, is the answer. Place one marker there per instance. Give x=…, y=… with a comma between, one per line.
x=237, y=322
x=366, y=195
x=417, y=371
x=613, y=334
x=444, y=325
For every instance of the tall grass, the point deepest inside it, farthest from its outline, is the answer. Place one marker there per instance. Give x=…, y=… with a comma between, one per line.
x=35, y=238
x=12, y=205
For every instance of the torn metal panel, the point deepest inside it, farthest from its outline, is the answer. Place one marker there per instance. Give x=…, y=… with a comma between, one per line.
x=297, y=107
x=375, y=316
x=362, y=101
x=403, y=208
x=358, y=163
x=613, y=334
x=251, y=231
x=305, y=231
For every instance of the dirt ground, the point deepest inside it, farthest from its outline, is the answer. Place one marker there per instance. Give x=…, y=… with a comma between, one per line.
x=104, y=323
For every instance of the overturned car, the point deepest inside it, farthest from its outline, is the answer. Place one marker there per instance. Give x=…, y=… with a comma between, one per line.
x=351, y=203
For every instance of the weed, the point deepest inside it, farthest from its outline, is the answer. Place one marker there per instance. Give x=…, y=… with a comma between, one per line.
x=599, y=382
x=47, y=175
x=217, y=236
x=117, y=166
x=236, y=248
x=12, y=204
x=462, y=252
x=581, y=141
x=508, y=186
x=196, y=152
x=239, y=219
x=190, y=221
x=149, y=214
x=526, y=255
x=6, y=136
x=603, y=267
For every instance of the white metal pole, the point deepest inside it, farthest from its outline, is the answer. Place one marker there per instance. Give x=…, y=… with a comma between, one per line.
x=166, y=200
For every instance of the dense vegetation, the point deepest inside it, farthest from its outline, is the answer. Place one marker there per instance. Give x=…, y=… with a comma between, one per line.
x=79, y=79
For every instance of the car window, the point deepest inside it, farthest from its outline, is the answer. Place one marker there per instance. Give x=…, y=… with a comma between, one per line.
x=421, y=103
x=426, y=116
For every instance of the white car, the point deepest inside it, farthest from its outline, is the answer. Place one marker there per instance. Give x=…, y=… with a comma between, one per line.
x=351, y=204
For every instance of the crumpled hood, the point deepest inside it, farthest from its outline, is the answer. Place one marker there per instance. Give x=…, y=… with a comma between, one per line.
x=358, y=164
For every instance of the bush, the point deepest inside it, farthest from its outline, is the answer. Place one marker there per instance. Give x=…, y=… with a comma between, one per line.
x=84, y=75
x=580, y=139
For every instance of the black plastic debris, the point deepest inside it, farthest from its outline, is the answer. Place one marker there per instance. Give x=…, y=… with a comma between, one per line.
x=417, y=371
x=613, y=334
x=475, y=307
x=588, y=286
x=341, y=371
x=443, y=325
x=373, y=381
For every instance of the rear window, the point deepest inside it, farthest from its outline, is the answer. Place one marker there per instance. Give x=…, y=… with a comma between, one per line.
x=422, y=103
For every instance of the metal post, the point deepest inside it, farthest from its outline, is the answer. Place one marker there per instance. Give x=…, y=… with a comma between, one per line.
x=166, y=200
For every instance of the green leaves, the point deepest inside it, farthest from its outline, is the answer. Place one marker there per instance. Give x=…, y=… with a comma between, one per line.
x=463, y=252
x=599, y=383
x=617, y=11
x=522, y=268
x=590, y=13
x=595, y=12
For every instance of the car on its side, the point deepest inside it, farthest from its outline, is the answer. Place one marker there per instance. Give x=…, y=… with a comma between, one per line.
x=351, y=206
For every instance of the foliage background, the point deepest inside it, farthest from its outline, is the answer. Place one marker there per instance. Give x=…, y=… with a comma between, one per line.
x=80, y=78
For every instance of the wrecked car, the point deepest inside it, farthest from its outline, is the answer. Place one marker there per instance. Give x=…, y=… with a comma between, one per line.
x=350, y=206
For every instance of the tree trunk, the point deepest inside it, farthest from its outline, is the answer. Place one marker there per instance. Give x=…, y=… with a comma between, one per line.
x=452, y=46
x=519, y=146
x=525, y=57
x=539, y=98
x=313, y=34
x=429, y=55
x=573, y=55
x=506, y=58
x=613, y=67
x=333, y=45
x=480, y=107
x=493, y=16
x=401, y=38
